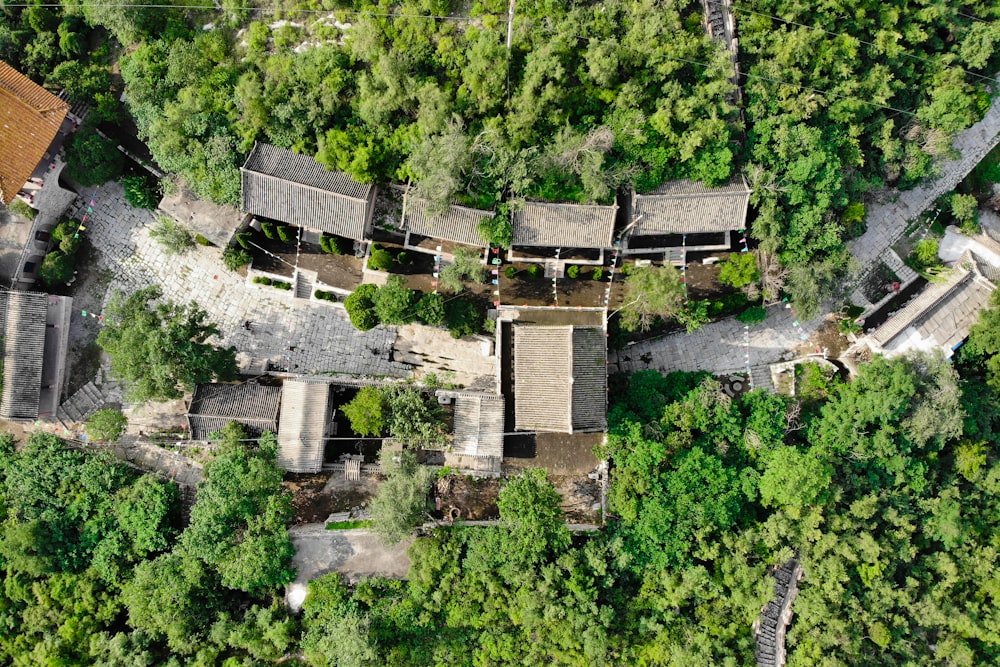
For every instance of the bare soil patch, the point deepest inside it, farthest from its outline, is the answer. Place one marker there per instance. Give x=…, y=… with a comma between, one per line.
x=474, y=498
x=315, y=497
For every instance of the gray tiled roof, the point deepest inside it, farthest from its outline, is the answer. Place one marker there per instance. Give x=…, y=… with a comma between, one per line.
x=688, y=207
x=560, y=378
x=479, y=421
x=458, y=223
x=297, y=190
x=564, y=225
x=305, y=408
x=253, y=405
x=23, y=324
x=943, y=313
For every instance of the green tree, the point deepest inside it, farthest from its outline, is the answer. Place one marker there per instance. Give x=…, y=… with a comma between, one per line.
x=174, y=237
x=394, y=302
x=739, y=270
x=91, y=159
x=337, y=634
x=367, y=412
x=414, y=418
x=56, y=269
x=403, y=500
x=239, y=523
x=651, y=292
x=158, y=348
x=430, y=309
x=360, y=307
x=466, y=266
x=106, y=425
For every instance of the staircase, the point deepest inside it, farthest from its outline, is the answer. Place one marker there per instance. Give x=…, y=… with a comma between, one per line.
x=304, y=282
x=82, y=404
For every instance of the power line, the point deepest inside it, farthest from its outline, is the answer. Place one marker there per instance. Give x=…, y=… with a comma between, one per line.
x=819, y=91
x=262, y=10
x=843, y=34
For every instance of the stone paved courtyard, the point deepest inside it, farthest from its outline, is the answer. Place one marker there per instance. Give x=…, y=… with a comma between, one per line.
x=719, y=348
x=294, y=333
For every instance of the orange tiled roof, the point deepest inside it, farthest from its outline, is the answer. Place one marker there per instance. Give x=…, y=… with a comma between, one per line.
x=30, y=117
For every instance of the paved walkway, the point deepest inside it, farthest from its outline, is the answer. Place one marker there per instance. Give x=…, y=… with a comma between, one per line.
x=887, y=221
x=303, y=336
x=719, y=348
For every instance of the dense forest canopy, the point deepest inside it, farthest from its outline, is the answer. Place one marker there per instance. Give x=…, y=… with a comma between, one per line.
x=886, y=488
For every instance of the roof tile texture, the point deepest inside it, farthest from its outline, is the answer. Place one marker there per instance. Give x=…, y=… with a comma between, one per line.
x=30, y=118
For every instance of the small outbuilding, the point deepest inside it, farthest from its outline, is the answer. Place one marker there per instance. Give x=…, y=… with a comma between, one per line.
x=251, y=404
x=306, y=419
x=940, y=317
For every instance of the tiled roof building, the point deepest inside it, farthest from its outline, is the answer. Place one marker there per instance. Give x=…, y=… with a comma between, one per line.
x=687, y=207
x=30, y=118
x=560, y=378
x=305, y=413
x=564, y=225
x=940, y=317
x=22, y=321
x=297, y=190
x=459, y=223
x=253, y=405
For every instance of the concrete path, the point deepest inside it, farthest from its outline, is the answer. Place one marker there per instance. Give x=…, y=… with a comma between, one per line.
x=303, y=336
x=719, y=348
x=887, y=221
x=354, y=553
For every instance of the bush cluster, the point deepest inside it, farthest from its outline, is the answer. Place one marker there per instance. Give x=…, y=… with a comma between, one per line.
x=326, y=296
x=272, y=282
x=140, y=193
x=234, y=258
x=380, y=260
x=58, y=265
x=395, y=304
x=335, y=245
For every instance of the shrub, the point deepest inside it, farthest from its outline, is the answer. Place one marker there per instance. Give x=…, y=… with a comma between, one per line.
x=325, y=295
x=394, y=302
x=262, y=280
x=268, y=229
x=465, y=267
x=285, y=234
x=598, y=274
x=234, y=258
x=139, y=193
x=380, y=260
x=334, y=245
x=463, y=318
x=573, y=271
x=20, y=208
x=175, y=239
x=753, y=315
x=694, y=315
x=281, y=284
x=404, y=258
x=67, y=236
x=535, y=271
x=510, y=272
x=243, y=238
x=739, y=270
x=926, y=252
x=106, y=425
x=430, y=309
x=361, y=307
x=56, y=268
x=201, y=240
